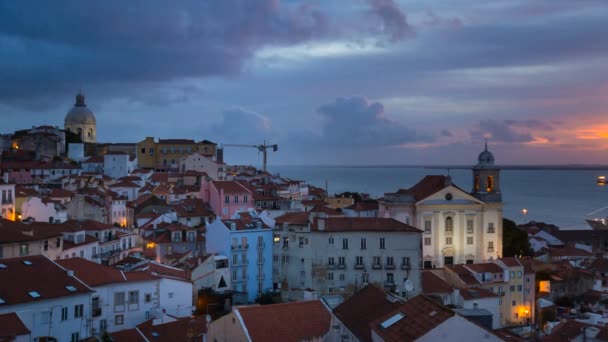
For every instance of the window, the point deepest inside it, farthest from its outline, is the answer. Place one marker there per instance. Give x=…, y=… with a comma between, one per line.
x=519, y=288
x=330, y=261
x=330, y=276
x=469, y=240
x=58, y=242
x=449, y=225
x=491, y=227
x=46, y=245
x=64, y=313
x=170, y=295
x=405, y=261
x=365, y=278
x=331, y=241
x=359, y=260
x=344, y=243
x=363, y=243
x=448, y=240
x=469, y=226
x=377, y=260
x=389, y=277
x=75, y=337
x=382, y=243
x=389, y=261
x=119, y=301
x=341, y=261
x=78, y=310
x=119, y=320
x=342, y=276
x=23, y=249
x=514, y=303
x=427, y=226
x=490, y=184
x=519, y=274
x=490, y=246
x=260, y=287
x=516, y=315
x=133, y=297
x=227, y=199
x=427, y=241
x=245, y=199
x=512, y=288
x=236, y=199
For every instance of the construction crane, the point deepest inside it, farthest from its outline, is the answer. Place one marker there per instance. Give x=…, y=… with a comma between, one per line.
x=262, y=148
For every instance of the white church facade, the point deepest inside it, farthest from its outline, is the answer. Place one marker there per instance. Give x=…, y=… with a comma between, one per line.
x=458, y=227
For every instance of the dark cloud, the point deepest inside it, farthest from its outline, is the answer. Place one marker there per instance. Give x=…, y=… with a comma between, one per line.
x=393, y=20
x=45, y=46
x=357, y=121
x=509, y=131
x=241, y=126
x=446, y=133
x=433, y=19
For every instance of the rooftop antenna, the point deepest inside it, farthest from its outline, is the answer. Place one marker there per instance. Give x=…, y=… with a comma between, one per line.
x=486, y=144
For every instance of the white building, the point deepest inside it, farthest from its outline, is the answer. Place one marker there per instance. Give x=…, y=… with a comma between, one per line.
x=126, y=189
x=459, y=227
x=48, y=299
x=340, y=255
x=117, y=164
x=212, y=273
x=200, y=163
x=122, y=300
x=7, y=201
x=44, y=210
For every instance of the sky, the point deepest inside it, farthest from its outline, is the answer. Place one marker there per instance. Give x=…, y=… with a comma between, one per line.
x=357, y=82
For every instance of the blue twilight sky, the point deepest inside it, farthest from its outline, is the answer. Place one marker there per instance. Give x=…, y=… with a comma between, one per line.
x=330, y=81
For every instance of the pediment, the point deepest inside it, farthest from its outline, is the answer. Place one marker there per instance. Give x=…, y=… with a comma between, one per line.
x=450, y=195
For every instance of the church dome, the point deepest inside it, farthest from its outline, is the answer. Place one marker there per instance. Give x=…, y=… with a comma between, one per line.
x=485, y=158
x=79, y=114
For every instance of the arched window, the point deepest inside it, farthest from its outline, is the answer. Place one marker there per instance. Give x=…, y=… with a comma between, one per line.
x=490, y=184
x=449, y=225
x=476, y=183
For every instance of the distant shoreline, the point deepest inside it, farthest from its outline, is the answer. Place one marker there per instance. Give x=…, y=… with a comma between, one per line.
x=464, y=167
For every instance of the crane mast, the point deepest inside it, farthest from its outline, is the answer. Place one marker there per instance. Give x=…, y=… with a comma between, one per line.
x=262, y=148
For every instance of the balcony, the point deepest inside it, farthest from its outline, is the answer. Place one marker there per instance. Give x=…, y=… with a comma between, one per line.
x=239, y=247
x=405, y=266
x=341, y=266
x=331, y=266
x=261, y=276
x=376, y=266
x=96, y=312
x=389, y=283
x=359, y=266
x=261, y=245
x=389, y=267
x=109, y=254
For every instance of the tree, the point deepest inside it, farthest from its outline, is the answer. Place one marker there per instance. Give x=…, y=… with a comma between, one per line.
x=266, y=298
x=514, y=240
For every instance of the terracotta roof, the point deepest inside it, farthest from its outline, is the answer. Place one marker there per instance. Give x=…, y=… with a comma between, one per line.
x=421, y=315
x=297, y=218
x=363, y=224
x=176, y=141
x=511, y=262
x=243, y=223
x=174, y=331
x=11, y=326
x=426, y=187
x=569, y=250
x=124, y=184
x=476, y=293
x=21, y=191
x=314, y=202
x=230, y=187
x=94, y=274
x=364, y=206
x=192, y=208
x=433, y=284
x=35, y=277
x=362, y=308
x=87, y=225
x=130, y=178
x=11, y=232
x=286, y=322
x=94, y=160
x=166, y=271
x=566, y=331
x=325, y=210
x=127, y=335
x=487, y=267
x=464, y=274
x=67, y=244
x=61, y=193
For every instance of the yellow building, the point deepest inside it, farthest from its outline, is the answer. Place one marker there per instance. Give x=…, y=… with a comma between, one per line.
x=516, y=306
x=166, y=153
x=339, y=202
x=17, y=241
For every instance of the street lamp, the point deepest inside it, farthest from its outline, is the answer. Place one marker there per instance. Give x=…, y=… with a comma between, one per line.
x=524, y=211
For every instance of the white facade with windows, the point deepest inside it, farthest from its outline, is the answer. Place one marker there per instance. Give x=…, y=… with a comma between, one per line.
x=118, y=165
x=329, y=256
x=7, y=200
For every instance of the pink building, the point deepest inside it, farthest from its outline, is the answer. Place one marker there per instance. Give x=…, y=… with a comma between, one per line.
x=229, y=197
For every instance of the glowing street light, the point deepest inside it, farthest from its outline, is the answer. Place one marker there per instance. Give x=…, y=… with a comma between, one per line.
x=524, y=211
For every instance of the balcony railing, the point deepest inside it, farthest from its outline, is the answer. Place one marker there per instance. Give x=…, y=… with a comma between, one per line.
x=376, y=266
x=359, y=266
x=109, y=254
x=389, y=283
x=239, y=247
x=405, y=266
x=341, y=266
x=261, y=245
x=389, y=267
x=331, y=266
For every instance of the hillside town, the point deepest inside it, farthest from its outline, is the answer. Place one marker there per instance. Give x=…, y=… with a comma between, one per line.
x=161, y=240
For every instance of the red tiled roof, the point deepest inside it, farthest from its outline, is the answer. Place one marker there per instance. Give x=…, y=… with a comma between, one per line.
x=362, y=308
x=130, y=178
x=314, y=202
x=166, y=271
x=422, y=315
x=476, y=293
x=11, y=326
x=11, y=232
x=566, y=331
x=192, y=208
x=35, y=277
x=174, y=331
x=488, y=267
x=325, y=210
x=464, y=274
x=511, y=262
x=298, y=218
x=61, y=193
x=286, y=322
x=230, y=187
x=128, y=335
x=363, y=224
x=94, y=160
x=427, y=186
x=364, y=206
x=124, y=184
x=94, y=274
x=241, y=224
x=21, y=191
x=433, y=284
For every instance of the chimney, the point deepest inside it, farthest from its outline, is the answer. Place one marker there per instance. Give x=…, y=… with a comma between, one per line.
x=321, y=224
x=259, y=224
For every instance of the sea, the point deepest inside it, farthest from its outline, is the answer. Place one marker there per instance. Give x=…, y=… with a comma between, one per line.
x=564, y=197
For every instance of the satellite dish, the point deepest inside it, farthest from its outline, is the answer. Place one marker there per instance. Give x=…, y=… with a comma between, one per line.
x=408, y=285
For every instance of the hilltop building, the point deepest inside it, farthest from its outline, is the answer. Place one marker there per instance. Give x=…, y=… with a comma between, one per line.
x=458, y=227
x=81, y=120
